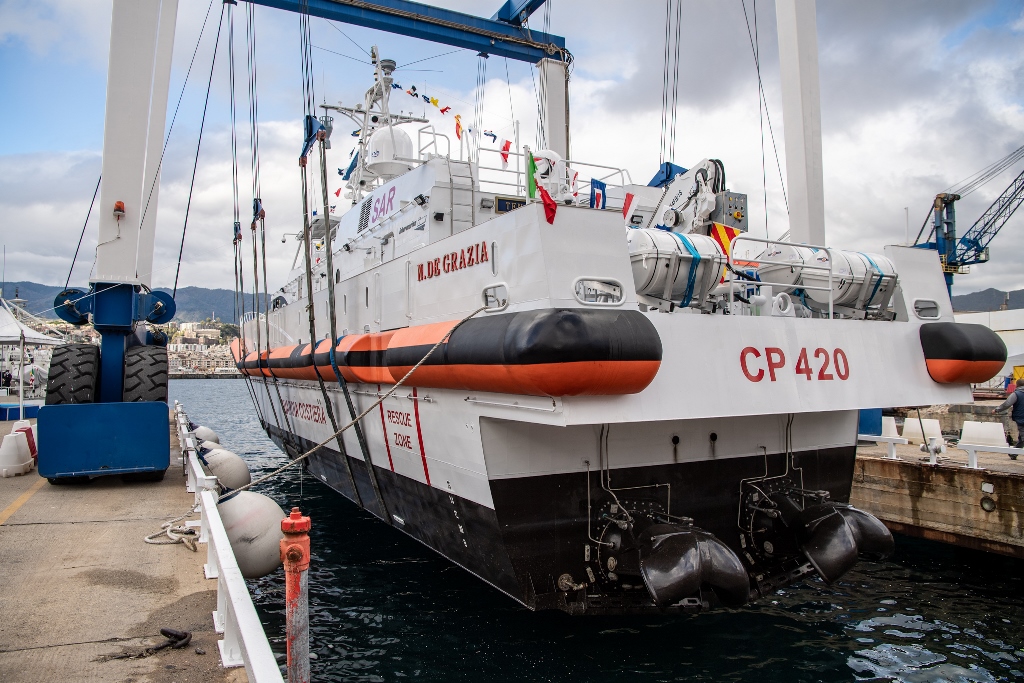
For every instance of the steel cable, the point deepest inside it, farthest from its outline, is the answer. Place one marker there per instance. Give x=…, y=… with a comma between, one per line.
x=87, y=214
x=664, y=81
x=174, y=118
x=309, y=100
x=199, y=144
x=675, y=83
x=254, y=164
x=976, y=180
x=755, y=51
x=356, y=419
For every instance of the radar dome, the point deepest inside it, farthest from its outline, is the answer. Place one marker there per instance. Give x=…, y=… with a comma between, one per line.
x=385, y=151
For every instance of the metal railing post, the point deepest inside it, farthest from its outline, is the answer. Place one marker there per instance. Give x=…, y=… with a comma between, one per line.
x=295, y=556
x=831, y=293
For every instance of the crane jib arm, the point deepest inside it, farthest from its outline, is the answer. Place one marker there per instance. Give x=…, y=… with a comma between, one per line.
x=971, y=247
x=490, y=36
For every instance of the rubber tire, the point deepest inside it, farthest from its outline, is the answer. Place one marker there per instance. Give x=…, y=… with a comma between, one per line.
x=145, y=374
x=134, y=477
x=74, y=374
x=68, y=481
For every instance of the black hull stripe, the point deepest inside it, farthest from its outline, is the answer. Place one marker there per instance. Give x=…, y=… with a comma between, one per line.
x=543, y=336
x=525, y=338
x=539, y=523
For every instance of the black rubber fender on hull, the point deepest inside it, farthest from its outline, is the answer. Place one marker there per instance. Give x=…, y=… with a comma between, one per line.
x=834, y=535
x=962, y=353
x=675, y=561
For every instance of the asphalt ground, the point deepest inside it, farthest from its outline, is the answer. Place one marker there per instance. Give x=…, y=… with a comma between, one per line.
x=82, y=595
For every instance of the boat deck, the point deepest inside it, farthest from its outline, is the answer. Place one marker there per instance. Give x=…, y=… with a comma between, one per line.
x=78, y=585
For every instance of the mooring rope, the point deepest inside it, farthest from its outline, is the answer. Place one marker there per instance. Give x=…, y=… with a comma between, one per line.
x=185, y=535
x=175, y=534
x=359, y=417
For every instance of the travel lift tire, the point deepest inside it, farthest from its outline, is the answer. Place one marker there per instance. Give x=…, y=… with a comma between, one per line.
x=145, y=374
x=73, y=378
x=74, y=374
x=145, y=379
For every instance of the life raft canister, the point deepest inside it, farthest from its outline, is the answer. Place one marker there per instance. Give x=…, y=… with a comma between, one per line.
x=962, y=353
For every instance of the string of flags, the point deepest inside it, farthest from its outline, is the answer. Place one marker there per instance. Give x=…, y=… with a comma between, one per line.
x=459, y=128
x=412, y=92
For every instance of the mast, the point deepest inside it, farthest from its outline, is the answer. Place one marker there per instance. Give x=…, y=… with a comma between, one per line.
x=801, y=112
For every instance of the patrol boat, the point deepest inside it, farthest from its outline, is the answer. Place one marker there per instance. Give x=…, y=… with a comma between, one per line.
x=653, y=411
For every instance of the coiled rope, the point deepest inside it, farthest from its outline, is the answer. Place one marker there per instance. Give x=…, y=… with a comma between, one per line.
x=171, y=533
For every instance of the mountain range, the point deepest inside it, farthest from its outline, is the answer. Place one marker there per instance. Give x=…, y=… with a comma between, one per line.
x=193, y=303
x=988, y=300
x=199, y=303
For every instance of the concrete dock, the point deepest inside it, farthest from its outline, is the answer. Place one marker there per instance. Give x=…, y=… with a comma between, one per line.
x=81, y=593
x=949, y=502
x=951, y=417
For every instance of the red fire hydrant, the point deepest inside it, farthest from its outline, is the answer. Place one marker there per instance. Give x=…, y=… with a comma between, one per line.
x=295, y=556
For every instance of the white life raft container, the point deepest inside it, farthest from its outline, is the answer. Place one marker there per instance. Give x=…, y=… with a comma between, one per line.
x=674, y=267
x=859, y=280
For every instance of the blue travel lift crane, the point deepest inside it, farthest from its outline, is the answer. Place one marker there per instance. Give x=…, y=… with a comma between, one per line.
x=106, y=407
x=957, y=255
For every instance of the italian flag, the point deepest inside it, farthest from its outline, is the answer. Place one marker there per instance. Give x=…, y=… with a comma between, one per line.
x=531, y=180
x=533, y=189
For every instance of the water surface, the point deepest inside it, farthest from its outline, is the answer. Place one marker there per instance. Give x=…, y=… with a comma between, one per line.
x=385, y=608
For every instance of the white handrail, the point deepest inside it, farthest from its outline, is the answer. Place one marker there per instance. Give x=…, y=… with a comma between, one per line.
x=576, y=165
x=245, y=642
x=759, y=261
x=433, y=143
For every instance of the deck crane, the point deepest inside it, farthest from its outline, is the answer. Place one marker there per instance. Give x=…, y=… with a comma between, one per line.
x=957, y=255
x=106, y=409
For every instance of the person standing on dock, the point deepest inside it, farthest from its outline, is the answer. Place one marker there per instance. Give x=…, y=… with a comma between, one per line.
x=1016, y=401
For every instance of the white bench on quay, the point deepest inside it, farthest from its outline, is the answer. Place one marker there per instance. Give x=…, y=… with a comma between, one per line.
x=889, y=441
x=973, y=450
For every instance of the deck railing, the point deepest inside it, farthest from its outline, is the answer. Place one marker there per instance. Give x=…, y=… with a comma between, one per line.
x=747, y=261
x=244, y=642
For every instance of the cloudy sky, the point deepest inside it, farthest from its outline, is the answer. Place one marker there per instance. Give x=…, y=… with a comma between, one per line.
x=916, y=96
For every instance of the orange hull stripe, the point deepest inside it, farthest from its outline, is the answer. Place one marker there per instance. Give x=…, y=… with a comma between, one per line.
x=963, y=371
x=586, y=378
x=421, y=335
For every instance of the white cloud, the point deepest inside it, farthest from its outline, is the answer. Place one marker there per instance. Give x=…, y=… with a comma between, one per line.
x=68, y=29
x=906, y=111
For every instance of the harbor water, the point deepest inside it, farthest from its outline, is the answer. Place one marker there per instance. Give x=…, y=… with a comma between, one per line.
x=385, y=608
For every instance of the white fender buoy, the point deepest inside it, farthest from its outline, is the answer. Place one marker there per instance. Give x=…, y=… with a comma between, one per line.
x=229, y=468
x=253, y=523
x=15, y=456
x=206, y=434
